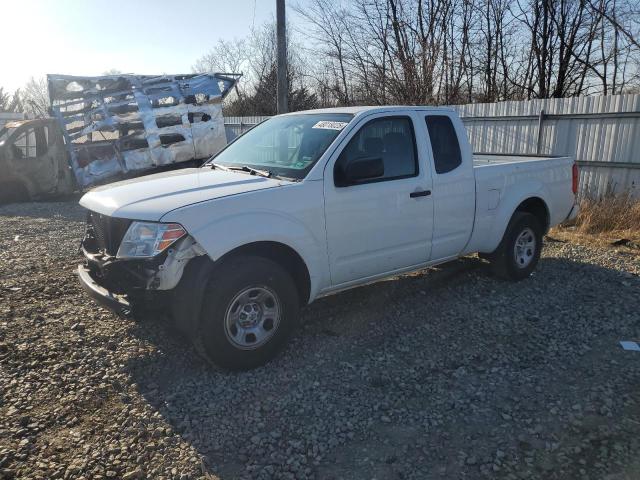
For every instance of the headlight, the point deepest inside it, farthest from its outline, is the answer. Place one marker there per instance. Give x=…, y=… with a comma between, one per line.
x=147, y=239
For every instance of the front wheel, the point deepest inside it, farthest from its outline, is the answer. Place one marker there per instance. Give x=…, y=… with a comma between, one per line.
x=249, y=311
x=519, y=251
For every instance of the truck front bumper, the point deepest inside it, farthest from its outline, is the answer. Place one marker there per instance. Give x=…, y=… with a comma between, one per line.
x=104, y=297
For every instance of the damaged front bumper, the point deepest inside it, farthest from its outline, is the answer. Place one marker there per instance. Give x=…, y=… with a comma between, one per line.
x=121, y=283
x=117, y=303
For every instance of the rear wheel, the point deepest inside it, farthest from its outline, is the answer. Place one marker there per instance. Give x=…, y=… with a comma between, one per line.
x=249, y=310
x=519, y=251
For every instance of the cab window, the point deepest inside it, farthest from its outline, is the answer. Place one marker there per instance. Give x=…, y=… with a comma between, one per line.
x=444, y=143
x=32, y=143
x=390, y=138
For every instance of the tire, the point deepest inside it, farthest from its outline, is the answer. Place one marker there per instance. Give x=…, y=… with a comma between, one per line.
x=486, y=256
x=519, y=251
x=148, y=305
x=249, y=310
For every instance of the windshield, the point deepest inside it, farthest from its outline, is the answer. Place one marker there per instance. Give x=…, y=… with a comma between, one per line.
x=286, y=146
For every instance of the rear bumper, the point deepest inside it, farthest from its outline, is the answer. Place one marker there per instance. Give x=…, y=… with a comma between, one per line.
x=104, y=297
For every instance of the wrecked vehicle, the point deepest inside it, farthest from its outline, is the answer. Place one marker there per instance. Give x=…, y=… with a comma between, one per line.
x=110, y=127
x=311, y=203
x=33, y=161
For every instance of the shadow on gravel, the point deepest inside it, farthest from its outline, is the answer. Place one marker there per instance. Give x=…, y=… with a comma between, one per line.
x=65, y=208
x=423, y=376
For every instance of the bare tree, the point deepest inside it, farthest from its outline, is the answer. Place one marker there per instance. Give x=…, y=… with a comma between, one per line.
x=330, y=32
x=228, y=56
x=5, y=100
x=35, y=97
x=112, y=71
x=15, y=105
x=443, y=51
x=255, y=58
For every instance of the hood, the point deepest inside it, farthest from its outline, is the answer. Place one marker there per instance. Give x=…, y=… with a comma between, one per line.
x=152, y=196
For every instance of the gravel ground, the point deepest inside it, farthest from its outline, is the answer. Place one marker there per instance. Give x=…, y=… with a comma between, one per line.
x=446, y=374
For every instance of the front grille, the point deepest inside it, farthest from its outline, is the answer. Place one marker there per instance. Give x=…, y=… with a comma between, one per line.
x=104, y=233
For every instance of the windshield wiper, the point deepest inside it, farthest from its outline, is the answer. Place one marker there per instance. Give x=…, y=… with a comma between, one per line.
x=215, y=166
x=252, y=171
x=243, y=168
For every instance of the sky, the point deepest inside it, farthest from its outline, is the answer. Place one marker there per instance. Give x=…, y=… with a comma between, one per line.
x=89, y=37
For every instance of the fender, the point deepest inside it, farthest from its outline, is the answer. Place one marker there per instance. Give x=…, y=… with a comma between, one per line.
x=186, y=297
x=227, y=233
x=489, y=236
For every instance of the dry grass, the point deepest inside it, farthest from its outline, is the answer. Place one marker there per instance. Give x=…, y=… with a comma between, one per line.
x=610, y=214
x=603, y=220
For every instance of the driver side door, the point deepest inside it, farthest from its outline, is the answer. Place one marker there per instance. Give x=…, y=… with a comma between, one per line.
x=31, y=159
x=379, y=225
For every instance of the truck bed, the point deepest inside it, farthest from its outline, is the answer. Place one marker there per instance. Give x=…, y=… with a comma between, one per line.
x=481, y=159
x=500, y=180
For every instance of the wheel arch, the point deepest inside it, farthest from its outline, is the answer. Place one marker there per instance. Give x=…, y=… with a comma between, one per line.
x=538, y=208
x=488, y=238
x=187, y=296
x=283, y=255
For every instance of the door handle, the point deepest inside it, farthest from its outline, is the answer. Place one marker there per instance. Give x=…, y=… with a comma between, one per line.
x=420, y=193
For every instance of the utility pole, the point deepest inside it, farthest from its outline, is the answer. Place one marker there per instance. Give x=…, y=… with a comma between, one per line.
x=281, y=32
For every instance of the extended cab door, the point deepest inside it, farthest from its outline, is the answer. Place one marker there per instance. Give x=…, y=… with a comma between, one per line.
x=454, y=187
x=381, y=224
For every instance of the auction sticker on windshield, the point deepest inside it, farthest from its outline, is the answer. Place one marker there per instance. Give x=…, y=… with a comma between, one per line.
x=330, y=125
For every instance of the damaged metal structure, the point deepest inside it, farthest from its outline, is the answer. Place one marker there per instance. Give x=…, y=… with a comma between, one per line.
x=114, y=125
x=111, y=127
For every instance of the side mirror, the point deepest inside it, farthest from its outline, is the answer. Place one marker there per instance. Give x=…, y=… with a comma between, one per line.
x=363, y=168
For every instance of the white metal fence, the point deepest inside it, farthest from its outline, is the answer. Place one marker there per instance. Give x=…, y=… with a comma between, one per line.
x=238, y=125
x=601, y=133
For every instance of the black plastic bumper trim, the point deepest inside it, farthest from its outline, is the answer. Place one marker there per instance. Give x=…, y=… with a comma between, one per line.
x=101, y=294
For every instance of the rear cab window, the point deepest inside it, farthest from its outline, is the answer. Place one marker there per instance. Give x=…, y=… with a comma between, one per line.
x=444, y=143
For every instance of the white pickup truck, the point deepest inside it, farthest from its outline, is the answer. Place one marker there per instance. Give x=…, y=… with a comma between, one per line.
x=311, y=203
